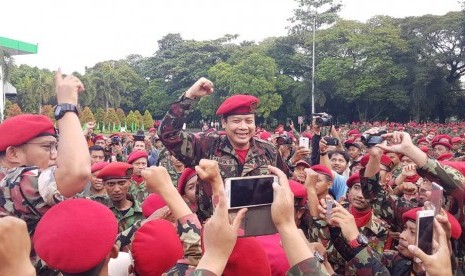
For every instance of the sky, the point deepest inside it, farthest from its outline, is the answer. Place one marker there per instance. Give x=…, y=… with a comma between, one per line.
x=75, y=34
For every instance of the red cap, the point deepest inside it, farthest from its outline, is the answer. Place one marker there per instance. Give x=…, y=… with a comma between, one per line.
x=186, y=175
x=136, y=155
x=248, y=258
x=446, y=156
x=238, y=104
x=455, y=231
x=297, y=189
x=75, y=235
x=115, y=135
x=306, y=134
x=116, y=170
x=385, y=160
x=265, y=135
x=354, y=178
x=98, y=166
x=323, y=170
x=98, y=137
x=276, y=255
x=352, y=132
x=156, y=248
x=424, y=149
x=152, y=129
x=445, y=144
x=302, y=163
x=152, y=203
x=20, y=129
x=441, y=138
x=422, y=140
x=456, y=140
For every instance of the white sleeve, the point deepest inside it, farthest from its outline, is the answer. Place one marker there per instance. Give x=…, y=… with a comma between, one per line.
x=48, y=188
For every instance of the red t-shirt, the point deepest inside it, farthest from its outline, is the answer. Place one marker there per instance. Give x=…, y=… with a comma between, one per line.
x=241, y=154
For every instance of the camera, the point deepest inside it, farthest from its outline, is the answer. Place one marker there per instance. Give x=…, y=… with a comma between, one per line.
x=323, y=119
x=283, y=140
x=115, y=140
x=370, y=140
x=331, y=141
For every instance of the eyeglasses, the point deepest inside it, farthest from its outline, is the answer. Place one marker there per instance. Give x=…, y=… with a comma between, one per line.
x=50, y=147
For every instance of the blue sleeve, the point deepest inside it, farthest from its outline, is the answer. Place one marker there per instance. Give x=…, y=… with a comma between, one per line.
x=339, y=187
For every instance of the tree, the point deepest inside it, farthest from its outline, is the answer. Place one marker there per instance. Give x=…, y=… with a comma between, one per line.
x=131, y=121
x=48, y=111
x=86, y=115
x=147, y=119
x=121, y=115
x=107, y=83
x=13, y=110
x=100, y=115
x=139, y=119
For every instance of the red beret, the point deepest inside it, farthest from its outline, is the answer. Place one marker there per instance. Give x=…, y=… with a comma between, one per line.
x=354, y=178
x=445, y=156
x=455, y=230
x=75, y=235
x=20, y=129
x=152, y=129
x=297, y=189
x=152, y=203
x=186, y=175
x=156, y=248
x=441, y=138
x=136, y=155
x=98, y=137
x=276, y=255
x=248, y=258
x=302, y=163
x=115, y=135
x=352, y=132
x=455, y=140
x=424, y=149
x=432, y=130
x=306, y=134
x=422, y=140
x=445, y=144
x=323, y=170
x=385, y=160
x=116, y=170
x=98, y=166
x=265, y=136
x=238, y=104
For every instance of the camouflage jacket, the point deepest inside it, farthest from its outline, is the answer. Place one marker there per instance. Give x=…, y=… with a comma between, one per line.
x=138, y=191
x=27, y=193
x=190, y=148
x=368, y=262
x=171, y=171
x=388, y=207
x=376, y=230
x=126, y=220
x=189, y=231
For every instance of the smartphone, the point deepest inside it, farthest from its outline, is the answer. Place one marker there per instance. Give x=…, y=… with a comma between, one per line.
x=304, y=142
x=329, y=208
x=425, y=222
x=436, y=197
x=250, y=191
x=331, y=141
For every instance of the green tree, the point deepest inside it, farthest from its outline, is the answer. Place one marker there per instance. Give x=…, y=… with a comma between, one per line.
x=107, y=84
x=139, y=119
x=48, y=111
x=121, y=115
x=86, y=115
x=13, y=110
x=100, y=115
x=131, y=121
x=147, y=119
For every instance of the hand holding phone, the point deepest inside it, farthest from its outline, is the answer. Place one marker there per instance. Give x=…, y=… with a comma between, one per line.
x=304, y=142
x=425, y=222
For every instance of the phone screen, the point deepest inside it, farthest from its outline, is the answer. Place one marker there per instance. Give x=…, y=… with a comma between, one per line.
x=304, y=142
x=251, y=191
x=436, y=197
x=425, y=234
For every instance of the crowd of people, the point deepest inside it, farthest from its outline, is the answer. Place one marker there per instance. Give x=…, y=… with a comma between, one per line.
x=347, y=200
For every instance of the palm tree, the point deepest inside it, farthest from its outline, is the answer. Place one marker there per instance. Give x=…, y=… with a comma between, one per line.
x=42, y=87
x=108, y=85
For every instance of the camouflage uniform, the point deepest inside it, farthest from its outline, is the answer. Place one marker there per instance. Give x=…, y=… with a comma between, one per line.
x=388, y=207
x=453, y=183
x=189, y=232
x=191, y=148
x=27, y=193
x=368, y=262
x=375, y=230
x=171, y=171
x=138, y=191
x=126, y=220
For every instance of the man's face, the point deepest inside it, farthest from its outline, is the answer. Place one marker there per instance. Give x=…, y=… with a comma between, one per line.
x=299, y=174
x=100, y=143
x=40, y=152
x=139, y=165
x=96, y=156
x=394, y=158
x=139, y=145
x=338, y=163
x=406, y=161
x=456, y=146
x=424, y=193
x=354, y=152
x=430, y=135
x=152, y=133
x=189, y=190
x=407, y=237
x=117, y=189
x=423, y=144
x=97, y=183
x=356, y=198
x=322, y=185
x=439, y=150
x=239, y=130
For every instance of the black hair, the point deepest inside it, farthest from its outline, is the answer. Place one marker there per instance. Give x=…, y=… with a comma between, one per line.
x=95, y=271
x=344, y=154
x=95, y=148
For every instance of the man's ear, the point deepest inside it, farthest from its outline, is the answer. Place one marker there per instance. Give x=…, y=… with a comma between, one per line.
x=223, y=122
x=12, y=154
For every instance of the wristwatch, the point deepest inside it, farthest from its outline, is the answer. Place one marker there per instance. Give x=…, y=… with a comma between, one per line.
x=61, y=109
x=360, y=240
